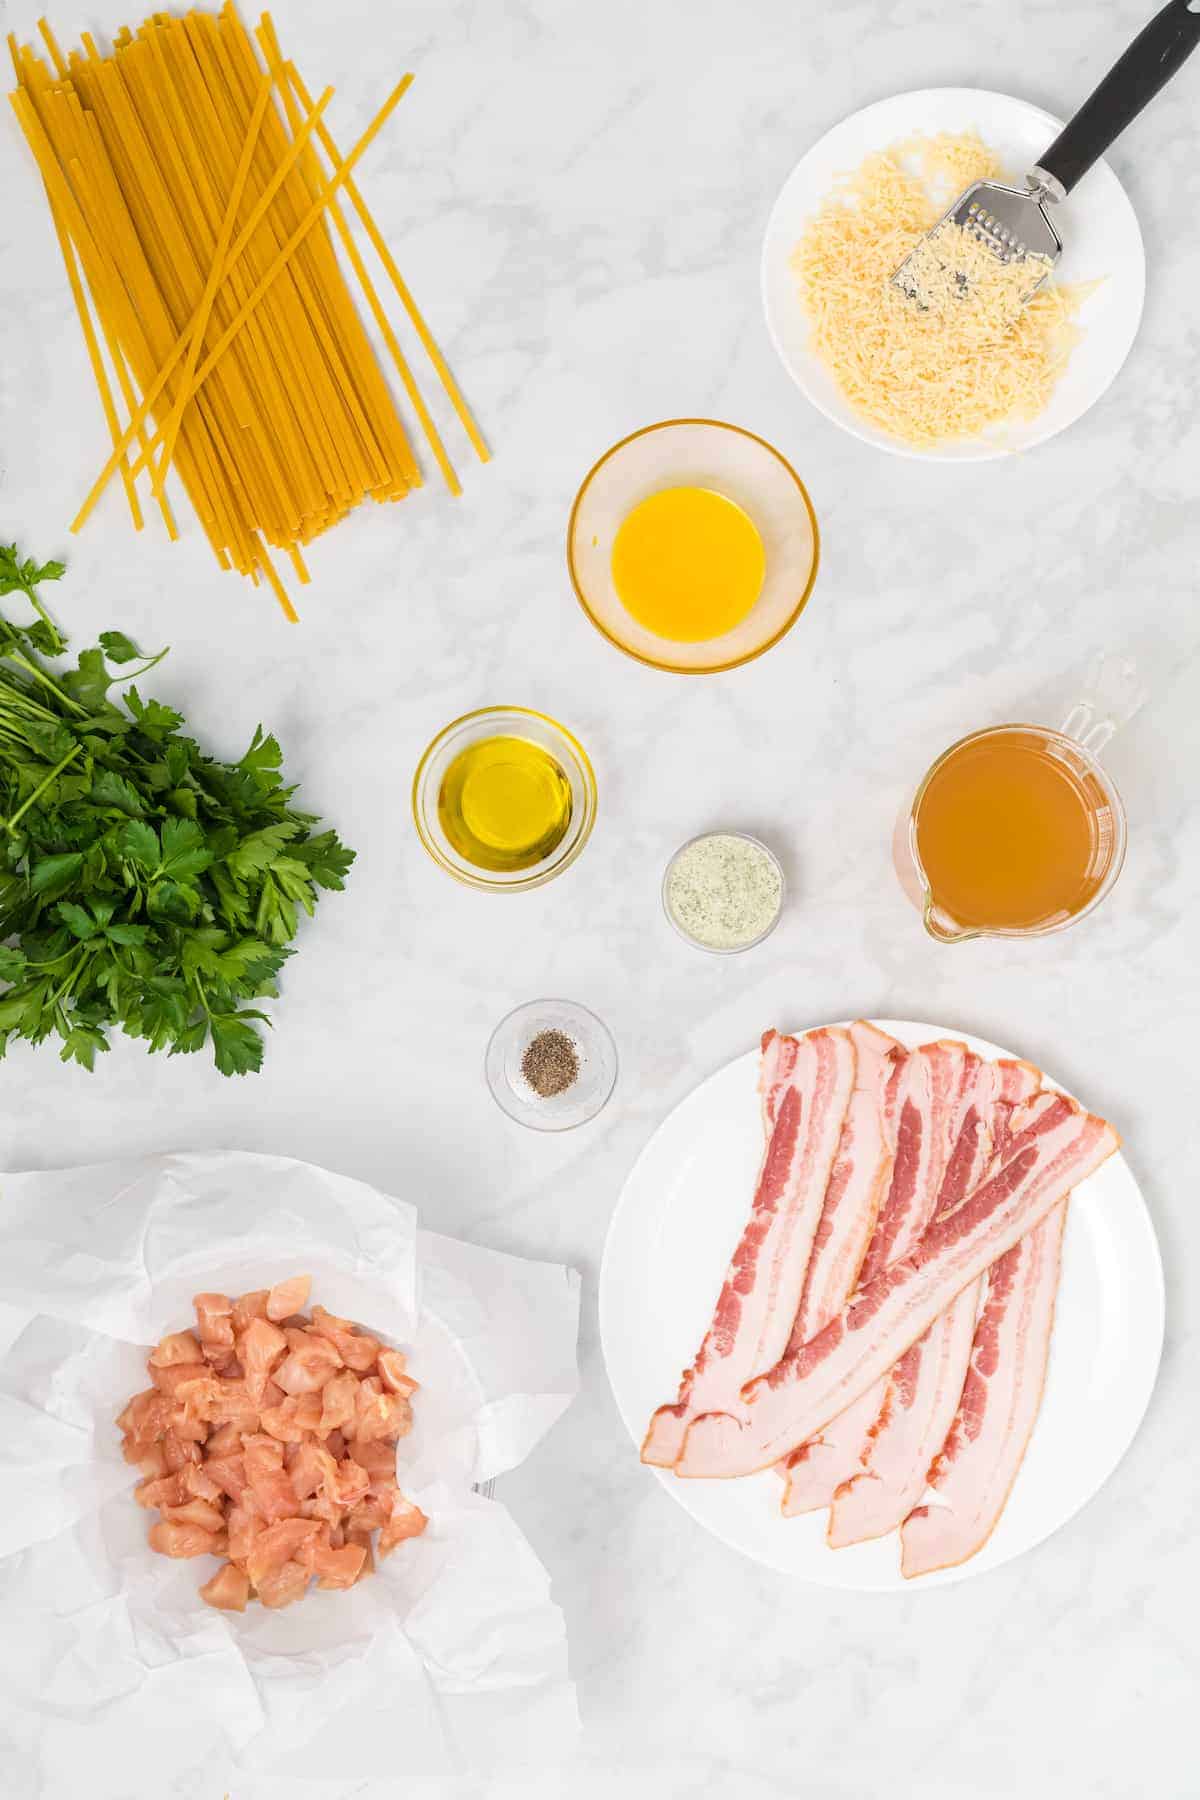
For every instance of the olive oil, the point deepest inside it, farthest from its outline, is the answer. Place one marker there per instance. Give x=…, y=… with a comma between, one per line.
x=505, y=803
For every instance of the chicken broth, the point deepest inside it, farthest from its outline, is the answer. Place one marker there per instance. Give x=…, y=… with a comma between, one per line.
x=1013, y=831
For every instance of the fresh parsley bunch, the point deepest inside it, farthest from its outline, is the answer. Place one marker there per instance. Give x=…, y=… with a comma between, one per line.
x=143, y=885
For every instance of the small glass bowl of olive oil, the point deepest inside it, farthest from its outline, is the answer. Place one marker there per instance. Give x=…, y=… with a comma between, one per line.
x=504, y=798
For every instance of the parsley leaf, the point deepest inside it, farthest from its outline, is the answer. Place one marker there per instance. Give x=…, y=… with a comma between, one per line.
x=111, y=789
x=118, y=648
x=237, y=1047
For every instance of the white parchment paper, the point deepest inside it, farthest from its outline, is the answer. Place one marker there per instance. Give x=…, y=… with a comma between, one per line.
x=115, y=1678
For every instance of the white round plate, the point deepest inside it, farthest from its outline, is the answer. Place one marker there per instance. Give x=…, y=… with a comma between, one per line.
x=672, y=1234
x=1098, y=226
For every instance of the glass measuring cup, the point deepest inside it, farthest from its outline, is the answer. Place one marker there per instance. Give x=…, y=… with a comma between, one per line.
x=1072, y=752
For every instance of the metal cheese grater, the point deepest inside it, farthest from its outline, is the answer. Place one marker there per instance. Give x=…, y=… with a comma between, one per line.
x=1014, y=223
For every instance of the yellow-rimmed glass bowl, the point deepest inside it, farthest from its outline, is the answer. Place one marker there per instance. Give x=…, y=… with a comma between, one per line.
x=504, y=721
x=695, y=453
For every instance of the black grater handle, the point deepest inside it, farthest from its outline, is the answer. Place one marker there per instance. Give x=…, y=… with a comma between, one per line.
x=1148, y=64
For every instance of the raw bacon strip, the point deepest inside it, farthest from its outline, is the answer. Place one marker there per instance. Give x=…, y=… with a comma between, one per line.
x=979, y=1461
x=929, y=1120
x=922, y=1390
x=814, y=1471
x=1053, y=1145
x=920, y=1396
x=927, y=1116
x=779, y=1054
x=765, y=1280
x=858, y=1182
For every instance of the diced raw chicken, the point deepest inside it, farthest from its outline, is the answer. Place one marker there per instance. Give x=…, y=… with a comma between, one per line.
x=181, y=1540
x=407, y=1521
x=270, y=1439
x=359, y=1352
x=276, y=1497
x=337, y=1568
x=288, y=1297
x=319, y=1508
x=377, y=1458
x=392, y=1372
x=283, y=1587
x=176, y=1347
x=364, y=1539
x=380, y=1415
x=281, y=1422
x=166, y=1490
x=196, y=1512
x=213, y=1318
x=259, y=1348
x=226, y=1440
x=311, y=1467
x=188, y=1426
x=371, y=1513
x=262, y=1455
x=200, y=1484
x=151, y=1459
x=231, y=1401
x=244, y=1528
x=146, y=1415
x=327, y=1324
x=228, y=1473
x=249, y=1306
x=229, y=1589
x=308, y=1366
x=358, y=1349
x=309, y=1409
x=339, y=1402
x=172, y=1376
x=347, y=1484
x=277, y=1545
x=178, y=1450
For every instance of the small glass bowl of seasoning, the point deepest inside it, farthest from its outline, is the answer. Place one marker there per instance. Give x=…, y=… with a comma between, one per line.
x=551, y=1065
x=723, y=891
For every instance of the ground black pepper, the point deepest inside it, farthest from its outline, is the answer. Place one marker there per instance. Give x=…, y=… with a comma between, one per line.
x=550, y=1064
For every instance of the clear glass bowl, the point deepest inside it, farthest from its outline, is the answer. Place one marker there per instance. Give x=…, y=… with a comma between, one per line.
x=508, y=721
x=594, y=1047
x=695, y=453
x=723, y=949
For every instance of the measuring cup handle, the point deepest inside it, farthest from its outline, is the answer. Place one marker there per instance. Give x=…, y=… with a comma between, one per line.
x=1149, y=63
x=1087, y=730
x=1113, y=694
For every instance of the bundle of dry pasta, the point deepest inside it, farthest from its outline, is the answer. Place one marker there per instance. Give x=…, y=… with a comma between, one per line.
x=192, y=191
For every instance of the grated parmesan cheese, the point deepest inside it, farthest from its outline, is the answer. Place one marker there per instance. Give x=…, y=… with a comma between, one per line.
x=976, y=357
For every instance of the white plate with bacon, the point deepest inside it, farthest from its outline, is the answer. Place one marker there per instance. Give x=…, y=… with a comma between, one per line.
x=860, y=1240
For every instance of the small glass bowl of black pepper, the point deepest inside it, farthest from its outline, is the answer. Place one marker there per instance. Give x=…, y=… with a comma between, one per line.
x=551, y=1065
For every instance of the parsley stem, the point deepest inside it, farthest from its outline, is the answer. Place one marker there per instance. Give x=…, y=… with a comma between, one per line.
x=69, y=983
x=10, y=825
x=60, y=642
x=60, y=694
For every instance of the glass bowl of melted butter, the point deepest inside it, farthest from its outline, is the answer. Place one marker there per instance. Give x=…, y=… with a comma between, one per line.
x=504, y=799
x=693, y=546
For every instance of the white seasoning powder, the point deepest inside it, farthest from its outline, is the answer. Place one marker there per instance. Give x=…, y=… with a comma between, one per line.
x=723, y=891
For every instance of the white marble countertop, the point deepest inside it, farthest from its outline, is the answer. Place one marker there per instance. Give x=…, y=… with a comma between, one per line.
x=578, y=193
